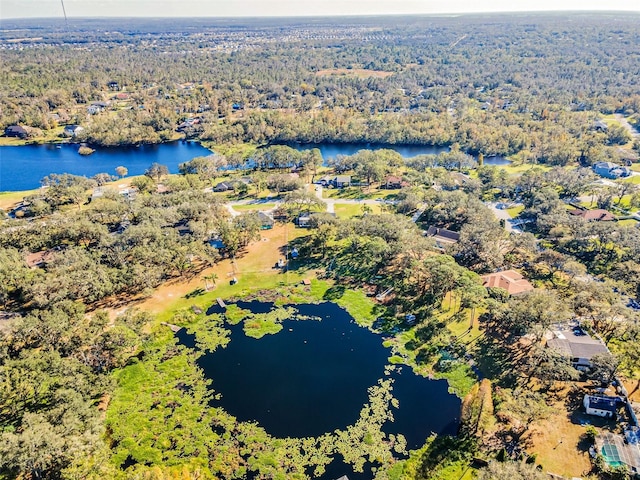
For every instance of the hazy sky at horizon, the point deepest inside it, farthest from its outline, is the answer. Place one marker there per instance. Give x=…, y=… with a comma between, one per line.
x=225, y=8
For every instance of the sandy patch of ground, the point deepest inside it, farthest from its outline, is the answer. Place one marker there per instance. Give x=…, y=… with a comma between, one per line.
x=260, y=256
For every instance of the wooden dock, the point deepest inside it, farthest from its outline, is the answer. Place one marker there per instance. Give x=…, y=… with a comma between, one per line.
x=174, y=328
x=221, y=303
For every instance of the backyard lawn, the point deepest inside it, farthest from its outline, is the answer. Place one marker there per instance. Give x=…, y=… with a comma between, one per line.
x=347, y=210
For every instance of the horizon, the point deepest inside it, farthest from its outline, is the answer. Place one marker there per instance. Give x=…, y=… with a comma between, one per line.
x=52, y=9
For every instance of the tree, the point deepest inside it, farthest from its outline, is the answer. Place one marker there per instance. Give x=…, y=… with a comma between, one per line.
x=102, y=178
x=122, y=171
x=300, y=201
x=213, y=278
x=156, y=172
x=603, y=368
x=206, y=168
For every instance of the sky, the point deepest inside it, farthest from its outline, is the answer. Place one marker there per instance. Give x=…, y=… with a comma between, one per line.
x=235, y=8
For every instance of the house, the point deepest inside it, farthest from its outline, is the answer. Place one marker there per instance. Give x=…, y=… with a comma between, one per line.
x=393, y=182
x=610, y=170
x=39, y=259
x=72, y=130
x=601, y=406
x=113, y=85
x=510, y=280
x=16, y=131
x=266, y=221
x=341, y=181
x=336, y=181
x=122, y=96
x=442, y=236
x=598, y=215
x=576, y=344
x=223, y=187
x=97, y=107
x=304, y=220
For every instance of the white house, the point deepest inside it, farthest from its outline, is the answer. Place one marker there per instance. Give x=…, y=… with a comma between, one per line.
x=601, y=406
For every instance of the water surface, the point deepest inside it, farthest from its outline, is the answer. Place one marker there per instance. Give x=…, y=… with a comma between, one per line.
x=22, y=167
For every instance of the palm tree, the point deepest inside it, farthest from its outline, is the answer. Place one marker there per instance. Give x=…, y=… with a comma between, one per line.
x=212, y=277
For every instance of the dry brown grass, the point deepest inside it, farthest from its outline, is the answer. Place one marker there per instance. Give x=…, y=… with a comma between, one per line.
x=354, y=72
x=559, y=441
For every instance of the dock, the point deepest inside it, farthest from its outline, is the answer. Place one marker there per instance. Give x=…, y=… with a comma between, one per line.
x=174, y=328
x=221, y=303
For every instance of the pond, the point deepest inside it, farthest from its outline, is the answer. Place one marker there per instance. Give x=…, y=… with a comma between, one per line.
x=312, y=378
x=22, y=167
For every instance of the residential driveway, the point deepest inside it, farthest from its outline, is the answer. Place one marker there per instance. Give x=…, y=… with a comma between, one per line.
x=504, y=215
x=329, y=201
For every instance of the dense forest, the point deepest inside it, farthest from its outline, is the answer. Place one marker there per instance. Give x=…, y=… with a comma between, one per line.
x=530, y=85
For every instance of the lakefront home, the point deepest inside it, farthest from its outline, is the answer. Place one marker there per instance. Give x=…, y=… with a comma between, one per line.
x=16, y=131
x=72, y=130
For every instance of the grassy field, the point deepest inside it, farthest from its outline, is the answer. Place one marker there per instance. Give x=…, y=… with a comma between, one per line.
x=249, y=207
x=357, y=193
x=560, y=438
x=635, y=179
x=48, y=136
x=9, y=199
x=347, y=210
x=520, y=169
x=630, y=222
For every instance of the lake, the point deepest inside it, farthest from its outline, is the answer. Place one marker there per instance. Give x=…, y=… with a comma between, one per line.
x=330, y=151
x=312, y=378
x=22, y=168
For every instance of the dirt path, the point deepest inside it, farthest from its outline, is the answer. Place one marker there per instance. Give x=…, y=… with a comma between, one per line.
x=260, y=256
